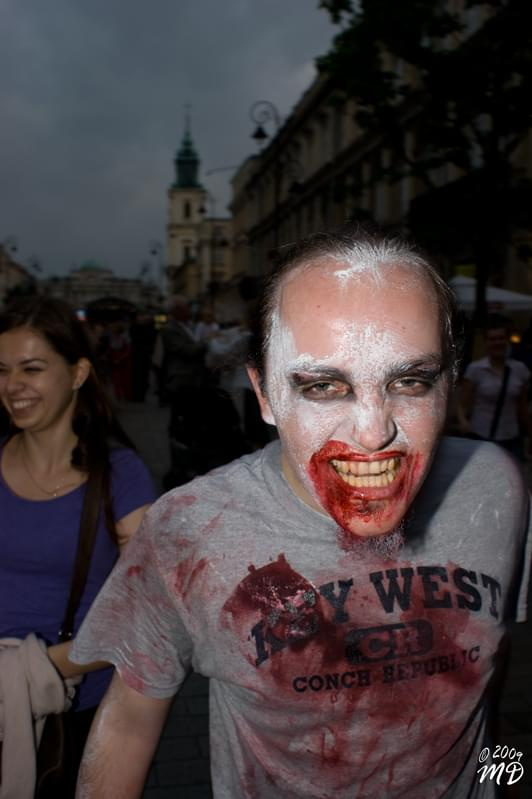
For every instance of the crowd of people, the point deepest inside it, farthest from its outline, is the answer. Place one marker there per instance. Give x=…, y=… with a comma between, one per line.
x=345, y=579
x=124, y=351
x=196, y=366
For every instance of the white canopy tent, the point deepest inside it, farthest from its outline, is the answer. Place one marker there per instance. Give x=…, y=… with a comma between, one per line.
x=496, y=299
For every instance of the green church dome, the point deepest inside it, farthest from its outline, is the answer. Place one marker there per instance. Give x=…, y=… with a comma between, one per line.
x=187, y=163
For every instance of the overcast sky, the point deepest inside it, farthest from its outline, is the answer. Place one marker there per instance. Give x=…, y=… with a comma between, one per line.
x=92, y=104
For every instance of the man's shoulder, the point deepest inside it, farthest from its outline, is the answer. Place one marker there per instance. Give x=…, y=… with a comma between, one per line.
x=235, y=488
x=481, y=463
x=473, y=487
x=453, y=448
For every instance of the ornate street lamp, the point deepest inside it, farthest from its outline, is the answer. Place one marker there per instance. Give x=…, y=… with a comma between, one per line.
x=262, y=113
x=284, y=165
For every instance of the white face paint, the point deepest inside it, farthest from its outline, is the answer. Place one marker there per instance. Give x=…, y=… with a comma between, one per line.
x=355, y=387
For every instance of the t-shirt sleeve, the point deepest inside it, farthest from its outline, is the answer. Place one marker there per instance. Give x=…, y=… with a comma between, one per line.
x=131, y=483
x=135, y=624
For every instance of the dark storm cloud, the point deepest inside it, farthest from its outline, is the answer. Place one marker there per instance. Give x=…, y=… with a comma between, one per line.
x=93, y=96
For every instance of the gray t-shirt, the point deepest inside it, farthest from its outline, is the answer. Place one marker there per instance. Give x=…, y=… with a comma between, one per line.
x=332, y=673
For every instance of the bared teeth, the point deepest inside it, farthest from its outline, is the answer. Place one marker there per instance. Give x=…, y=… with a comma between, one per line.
x=367, y=474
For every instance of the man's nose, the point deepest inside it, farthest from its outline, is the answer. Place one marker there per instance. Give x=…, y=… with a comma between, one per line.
x=372, y=426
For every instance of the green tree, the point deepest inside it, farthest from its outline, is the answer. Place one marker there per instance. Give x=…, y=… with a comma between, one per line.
x=462, y=82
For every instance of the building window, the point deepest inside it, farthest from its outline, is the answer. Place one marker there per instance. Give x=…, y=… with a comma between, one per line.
x=186, y=209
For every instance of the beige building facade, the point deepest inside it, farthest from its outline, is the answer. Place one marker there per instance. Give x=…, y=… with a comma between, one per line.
x=309, y=177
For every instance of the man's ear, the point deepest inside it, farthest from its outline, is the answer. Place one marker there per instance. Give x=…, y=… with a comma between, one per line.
x=265, y=410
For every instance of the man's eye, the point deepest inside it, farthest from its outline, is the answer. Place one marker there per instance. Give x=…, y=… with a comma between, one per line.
x=411, y=386
x=326, y=390
x=32, y=369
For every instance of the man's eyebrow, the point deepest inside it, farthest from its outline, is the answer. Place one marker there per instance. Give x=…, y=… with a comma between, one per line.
x=303, y=375
x=430, y=365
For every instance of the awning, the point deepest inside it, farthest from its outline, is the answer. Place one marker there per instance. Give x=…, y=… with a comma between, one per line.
x=496, y=299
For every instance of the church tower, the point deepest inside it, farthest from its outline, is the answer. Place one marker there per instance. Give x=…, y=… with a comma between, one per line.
x=186, y=208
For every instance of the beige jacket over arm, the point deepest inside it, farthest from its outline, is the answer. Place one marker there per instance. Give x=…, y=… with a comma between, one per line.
x=30, y=689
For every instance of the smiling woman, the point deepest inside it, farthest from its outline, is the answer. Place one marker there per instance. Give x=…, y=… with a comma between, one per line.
x=64, y=456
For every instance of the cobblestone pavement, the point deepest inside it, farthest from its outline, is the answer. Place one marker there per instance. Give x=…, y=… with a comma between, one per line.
x=180, y=768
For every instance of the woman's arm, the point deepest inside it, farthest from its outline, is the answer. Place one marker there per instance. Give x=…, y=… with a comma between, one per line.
x=128, y=525
x=58, y=653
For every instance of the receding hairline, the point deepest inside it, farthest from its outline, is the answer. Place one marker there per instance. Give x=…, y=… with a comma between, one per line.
x=354, y=269
x=356, y=249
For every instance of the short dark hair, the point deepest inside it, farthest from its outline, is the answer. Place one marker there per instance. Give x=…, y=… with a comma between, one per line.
x=354, y=243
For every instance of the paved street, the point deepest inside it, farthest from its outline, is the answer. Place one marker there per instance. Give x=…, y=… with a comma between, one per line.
x=181, y=765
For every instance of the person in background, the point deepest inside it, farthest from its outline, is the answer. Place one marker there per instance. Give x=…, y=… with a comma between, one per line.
x=206, y=325
x=347, y=589
x=142, y=335
x=183, y=375
x=493, y=398
x=226, y=357
x=119, y=355
x=62, y=441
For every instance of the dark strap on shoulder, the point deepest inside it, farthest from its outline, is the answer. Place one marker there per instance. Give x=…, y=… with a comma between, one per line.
x=500, y=402
x=87, y=536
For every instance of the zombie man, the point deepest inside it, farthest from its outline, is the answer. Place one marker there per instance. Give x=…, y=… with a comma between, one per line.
x=347, y=588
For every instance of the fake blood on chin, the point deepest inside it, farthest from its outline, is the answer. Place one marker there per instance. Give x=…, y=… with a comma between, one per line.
x=381, y=508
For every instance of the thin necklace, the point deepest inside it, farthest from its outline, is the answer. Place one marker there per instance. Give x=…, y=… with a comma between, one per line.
x=59, y=487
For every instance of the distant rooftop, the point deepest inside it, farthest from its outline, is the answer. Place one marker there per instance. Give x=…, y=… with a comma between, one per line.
x=91, y=266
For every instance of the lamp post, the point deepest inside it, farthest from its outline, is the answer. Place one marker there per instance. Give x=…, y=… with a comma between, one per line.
x=145, y=270
x=216, y=242
x=285, y=165
x=156, y=250
x=263, y=112
x=34, y=262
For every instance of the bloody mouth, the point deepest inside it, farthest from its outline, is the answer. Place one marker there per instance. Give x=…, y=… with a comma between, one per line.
x=368, y=474
x=354, y=485
x=359, y=477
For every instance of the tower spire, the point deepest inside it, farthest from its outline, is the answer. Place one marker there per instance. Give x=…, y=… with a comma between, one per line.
x=187, y=160
x=188, y=109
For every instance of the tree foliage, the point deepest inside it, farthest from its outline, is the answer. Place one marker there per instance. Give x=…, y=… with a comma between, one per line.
x=462, y=81
x=475, y=88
